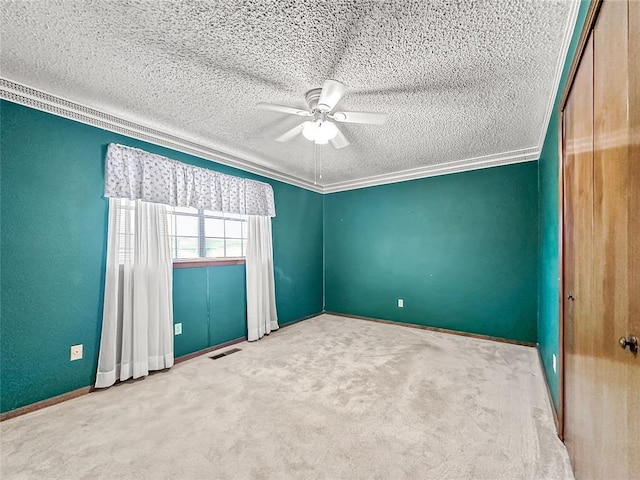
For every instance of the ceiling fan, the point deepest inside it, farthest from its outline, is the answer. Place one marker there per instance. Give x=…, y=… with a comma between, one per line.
x=322, y=128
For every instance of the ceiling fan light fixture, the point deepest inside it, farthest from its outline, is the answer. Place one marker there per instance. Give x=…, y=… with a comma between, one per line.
x=323, y=127
x=308, y=130
x=319, y=131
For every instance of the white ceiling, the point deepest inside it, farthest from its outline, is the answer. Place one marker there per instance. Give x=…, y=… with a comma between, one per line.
x=465, y=83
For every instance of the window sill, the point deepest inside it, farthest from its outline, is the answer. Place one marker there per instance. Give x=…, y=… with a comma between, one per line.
x=207, y=262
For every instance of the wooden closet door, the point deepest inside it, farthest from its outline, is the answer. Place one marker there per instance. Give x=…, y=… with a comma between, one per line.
x=633, y=223
x=602, y=250
x=578, y=254
x=610, y=241
x=616, y=227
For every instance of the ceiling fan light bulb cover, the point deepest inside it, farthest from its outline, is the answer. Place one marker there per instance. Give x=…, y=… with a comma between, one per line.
x=309, y=130
x=327, y=131
x=320, y=132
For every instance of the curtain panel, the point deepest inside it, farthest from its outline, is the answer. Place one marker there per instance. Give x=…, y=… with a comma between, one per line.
x=262, y=317
x=137, y=323
x=138, y=175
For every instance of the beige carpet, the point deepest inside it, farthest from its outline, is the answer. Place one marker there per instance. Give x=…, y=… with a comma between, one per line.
x=327, y=398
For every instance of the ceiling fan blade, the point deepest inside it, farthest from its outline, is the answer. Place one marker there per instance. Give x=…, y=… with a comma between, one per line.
x=339, y=141
x=283, y=109
x=369, y=118
x=290, y=134
x=332, y=92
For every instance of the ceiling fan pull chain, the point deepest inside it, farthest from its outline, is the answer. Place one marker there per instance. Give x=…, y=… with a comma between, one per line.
x=315, y=160
x=320, y=155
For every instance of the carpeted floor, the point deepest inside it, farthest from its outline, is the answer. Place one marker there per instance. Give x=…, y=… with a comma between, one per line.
x=327, y=398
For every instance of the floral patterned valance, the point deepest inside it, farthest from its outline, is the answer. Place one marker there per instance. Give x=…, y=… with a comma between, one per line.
x=135, y=174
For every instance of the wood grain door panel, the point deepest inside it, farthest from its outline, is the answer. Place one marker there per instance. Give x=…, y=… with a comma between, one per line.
x=578, y=241
x=602, y=249
x=633, y=224
x=611, y=241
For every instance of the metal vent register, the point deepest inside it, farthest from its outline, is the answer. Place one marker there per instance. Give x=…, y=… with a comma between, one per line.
x=224, y=354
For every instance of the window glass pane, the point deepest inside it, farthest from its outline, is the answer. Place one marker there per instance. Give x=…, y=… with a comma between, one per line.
x=233, y=229
x=186, y=226
x=213, y=227
x=234, y=248
x=215, y=247
x=186, y=247
x=224, y=235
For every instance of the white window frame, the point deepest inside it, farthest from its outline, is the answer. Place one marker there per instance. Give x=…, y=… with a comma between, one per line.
x=201, y=216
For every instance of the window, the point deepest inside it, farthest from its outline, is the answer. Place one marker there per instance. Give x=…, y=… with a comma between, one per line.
x=126, y=214
x=193, y=233
x=204, y=234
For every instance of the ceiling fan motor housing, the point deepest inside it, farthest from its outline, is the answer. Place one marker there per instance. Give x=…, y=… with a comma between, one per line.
x=312, y=97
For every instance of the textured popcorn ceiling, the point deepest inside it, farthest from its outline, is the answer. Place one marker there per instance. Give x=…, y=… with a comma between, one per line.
x=458, y=79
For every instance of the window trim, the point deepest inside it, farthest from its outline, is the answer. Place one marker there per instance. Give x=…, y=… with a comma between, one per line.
x=206, y=262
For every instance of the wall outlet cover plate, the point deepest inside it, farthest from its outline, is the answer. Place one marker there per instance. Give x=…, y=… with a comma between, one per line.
x=76, y=352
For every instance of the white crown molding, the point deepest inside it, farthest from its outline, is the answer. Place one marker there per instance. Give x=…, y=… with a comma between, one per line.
x=39, y=100
x=566, y=41
x=31, y=97
x=475, y=163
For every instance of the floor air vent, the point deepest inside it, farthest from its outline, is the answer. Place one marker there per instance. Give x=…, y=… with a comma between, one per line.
x=224, y=354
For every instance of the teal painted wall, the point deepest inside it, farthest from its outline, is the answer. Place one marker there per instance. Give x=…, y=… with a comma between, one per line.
x=459, y=249
x=462, y=250
x=210, y=303
x=53, y=246
x=549, y=282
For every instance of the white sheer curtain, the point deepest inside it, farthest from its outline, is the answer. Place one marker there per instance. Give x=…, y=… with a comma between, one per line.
x=262, y=317
x=137, y=325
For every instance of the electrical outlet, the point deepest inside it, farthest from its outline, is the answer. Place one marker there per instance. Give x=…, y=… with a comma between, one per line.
x=76, y=352
x=177, y=329
x=555, y=364
x=400, y=303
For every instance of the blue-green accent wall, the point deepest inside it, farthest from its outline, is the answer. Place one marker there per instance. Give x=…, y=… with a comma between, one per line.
x=210, y=302
x=460, y=250
x=548, y=258
x=53, y=245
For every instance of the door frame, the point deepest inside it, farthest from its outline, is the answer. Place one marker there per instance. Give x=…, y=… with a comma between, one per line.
x=590, y=20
